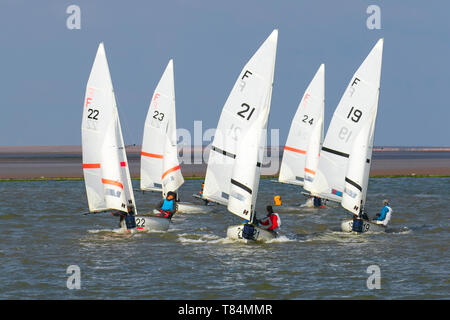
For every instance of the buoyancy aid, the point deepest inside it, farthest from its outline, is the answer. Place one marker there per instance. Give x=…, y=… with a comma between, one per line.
x=167, y=205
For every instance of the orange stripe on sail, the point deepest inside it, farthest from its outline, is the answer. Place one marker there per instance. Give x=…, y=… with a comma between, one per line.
x=310, y=171
x=91, y=165
x=152, y=155
x=294, y=150
x=170, y=170
x=112, y=182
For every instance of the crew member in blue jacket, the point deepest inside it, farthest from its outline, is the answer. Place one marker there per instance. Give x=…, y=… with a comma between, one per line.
x=167, y=207
x=385, y=215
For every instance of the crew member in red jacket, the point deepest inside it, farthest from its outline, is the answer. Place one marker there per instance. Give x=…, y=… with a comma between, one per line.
x=271, y=222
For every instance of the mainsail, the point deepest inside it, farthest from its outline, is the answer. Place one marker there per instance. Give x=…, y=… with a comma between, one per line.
x=105, y=165
x=301, y=152
x=160, y=169
x=249, y=98
x=356, y=177
x=246, y=170
x=355, y=111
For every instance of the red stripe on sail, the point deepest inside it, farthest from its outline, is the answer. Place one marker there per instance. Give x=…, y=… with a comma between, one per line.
x=294, y=150
x=170, y=170
x=112, y=182
x=123, y=164
x=152, y=155
x=91, y=165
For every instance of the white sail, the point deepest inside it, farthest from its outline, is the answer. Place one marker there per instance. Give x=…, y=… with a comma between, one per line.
x=355, y=186
x=159, y=146
x=171, y=177
x=249, y=98
x=246, y=171
x=353, y=113
x=301, y=152
x=105, y=166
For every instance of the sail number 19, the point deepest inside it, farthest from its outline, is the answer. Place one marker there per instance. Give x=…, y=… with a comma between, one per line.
x=355, y=114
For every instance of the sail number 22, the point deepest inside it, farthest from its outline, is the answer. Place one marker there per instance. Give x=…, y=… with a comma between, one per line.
x=93, y=114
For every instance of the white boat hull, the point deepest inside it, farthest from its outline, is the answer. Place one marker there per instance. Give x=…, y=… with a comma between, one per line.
x=149, y=223
x=235, y=233
x=186, y=207
x=368, y=226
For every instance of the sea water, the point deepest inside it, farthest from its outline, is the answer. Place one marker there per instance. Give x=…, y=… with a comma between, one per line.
x=45, y=236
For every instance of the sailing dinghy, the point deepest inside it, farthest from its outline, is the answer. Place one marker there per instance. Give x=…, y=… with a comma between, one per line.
x=234, y=164
x=344, y=165
x=105, y=166
x=160, y=168
x=301, y=152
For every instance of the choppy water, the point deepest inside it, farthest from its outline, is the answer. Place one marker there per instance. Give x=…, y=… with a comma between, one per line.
x=43, y=232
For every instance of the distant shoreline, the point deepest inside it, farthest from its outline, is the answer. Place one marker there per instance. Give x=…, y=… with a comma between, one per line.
x=201, y=178
x=65, y=162
x=136, y=149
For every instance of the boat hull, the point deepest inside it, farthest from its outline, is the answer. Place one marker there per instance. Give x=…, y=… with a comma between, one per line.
x=149, y=223
x=235, y=233
x=186, y=207
x=368, y=226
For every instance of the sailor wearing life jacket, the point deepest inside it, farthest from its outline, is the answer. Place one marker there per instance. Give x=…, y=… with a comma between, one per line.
x=271, y=222
x=128, y=216
x=167, y=207
x=385, y=214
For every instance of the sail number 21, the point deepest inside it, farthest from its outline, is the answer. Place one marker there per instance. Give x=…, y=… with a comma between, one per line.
x=246, y=109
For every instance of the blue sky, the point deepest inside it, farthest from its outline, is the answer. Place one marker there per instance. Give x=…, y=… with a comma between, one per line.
x=44, y=66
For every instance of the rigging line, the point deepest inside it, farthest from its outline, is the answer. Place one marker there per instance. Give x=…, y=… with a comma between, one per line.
x=128, y=137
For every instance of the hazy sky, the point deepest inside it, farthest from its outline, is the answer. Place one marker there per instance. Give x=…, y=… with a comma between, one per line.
x=44, y=66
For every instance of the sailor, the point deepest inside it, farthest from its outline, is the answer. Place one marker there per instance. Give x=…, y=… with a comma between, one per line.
x=385, y=215
x=271, y=222
x=127, y=216
x=317, y=202
x=201, y=194
x=167, y=207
